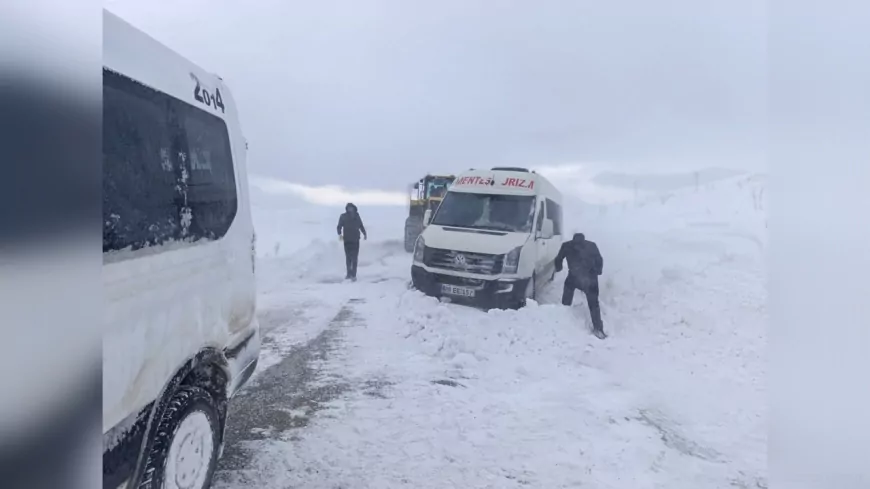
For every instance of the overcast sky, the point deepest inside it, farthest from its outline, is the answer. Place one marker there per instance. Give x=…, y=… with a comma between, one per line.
x=374, y=93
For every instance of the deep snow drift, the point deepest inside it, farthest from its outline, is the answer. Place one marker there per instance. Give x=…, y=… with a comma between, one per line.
x=462, y=398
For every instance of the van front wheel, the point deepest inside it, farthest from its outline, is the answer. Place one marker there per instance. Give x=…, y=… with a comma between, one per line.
x=185, y=450
x=532, y=288
x=528, y=293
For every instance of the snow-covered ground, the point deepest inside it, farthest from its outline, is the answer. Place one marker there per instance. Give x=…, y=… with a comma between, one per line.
x=437, y=395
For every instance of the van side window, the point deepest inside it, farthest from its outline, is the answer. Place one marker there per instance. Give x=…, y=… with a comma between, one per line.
x=554, y=212
x=539, y=226
x=211, y=186
x=167, y=169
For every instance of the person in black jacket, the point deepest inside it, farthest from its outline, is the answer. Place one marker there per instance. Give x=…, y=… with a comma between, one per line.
x=350, y=226
x=585, y=264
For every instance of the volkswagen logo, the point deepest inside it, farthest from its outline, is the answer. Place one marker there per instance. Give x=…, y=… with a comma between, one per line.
x=459, y=260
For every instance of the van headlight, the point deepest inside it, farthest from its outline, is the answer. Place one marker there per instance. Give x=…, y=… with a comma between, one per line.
x=512, y=260
x=419, y=249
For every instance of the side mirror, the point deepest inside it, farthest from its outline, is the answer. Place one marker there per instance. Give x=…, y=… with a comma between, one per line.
x=417, y=186
x=427, y=217
x=547, y=229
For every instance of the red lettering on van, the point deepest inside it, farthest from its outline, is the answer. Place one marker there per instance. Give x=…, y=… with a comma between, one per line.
x=474, y=181
x=519, y=183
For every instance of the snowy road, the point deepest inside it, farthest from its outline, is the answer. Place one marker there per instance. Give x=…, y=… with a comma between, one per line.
x=370, y=385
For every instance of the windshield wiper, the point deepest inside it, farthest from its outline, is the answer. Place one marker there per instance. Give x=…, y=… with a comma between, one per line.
x=489, y=227
x=495, y=227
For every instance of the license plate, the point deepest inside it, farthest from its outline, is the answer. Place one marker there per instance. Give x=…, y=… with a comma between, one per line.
x=456, y=290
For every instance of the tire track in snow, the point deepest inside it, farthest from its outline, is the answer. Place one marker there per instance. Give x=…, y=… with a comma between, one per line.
x=285, y=397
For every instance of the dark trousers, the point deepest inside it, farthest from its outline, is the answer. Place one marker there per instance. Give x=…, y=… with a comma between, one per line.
x=351, y=256
x=589, y=286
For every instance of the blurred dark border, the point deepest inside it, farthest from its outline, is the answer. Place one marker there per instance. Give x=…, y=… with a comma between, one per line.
x=50, y=199
x=51, y=185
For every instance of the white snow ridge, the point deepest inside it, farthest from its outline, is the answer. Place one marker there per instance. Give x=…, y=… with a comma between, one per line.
x=415, y=393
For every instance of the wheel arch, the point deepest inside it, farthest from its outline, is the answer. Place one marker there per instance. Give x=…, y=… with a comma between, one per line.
x=209, y=369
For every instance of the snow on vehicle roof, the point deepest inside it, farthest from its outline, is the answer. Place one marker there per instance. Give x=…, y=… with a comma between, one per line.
x=503, y=182
x=134, y=54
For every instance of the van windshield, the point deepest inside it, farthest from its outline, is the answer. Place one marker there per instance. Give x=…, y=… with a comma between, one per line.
x=512, y=213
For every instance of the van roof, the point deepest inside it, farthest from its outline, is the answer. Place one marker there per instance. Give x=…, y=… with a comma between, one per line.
x=134, y=54
x=509, y=182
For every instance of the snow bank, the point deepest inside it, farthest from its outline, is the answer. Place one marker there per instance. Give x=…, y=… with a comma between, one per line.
x=674, y=398
x=661, y=237
x=684, y=291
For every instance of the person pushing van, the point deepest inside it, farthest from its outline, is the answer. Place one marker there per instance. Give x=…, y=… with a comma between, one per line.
x=350, y=226
x=585, y=264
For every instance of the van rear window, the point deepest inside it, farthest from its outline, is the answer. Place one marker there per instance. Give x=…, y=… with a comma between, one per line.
x=167, y=169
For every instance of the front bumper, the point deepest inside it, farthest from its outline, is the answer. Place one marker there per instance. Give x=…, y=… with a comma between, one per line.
x=496, y=293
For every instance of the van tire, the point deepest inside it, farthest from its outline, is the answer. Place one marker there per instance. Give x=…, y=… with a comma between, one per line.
x=189, y=406
x=534, y=282
x=522, y=302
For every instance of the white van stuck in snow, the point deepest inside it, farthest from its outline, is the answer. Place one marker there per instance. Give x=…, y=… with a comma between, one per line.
x=493, y=240
x=180, y=332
